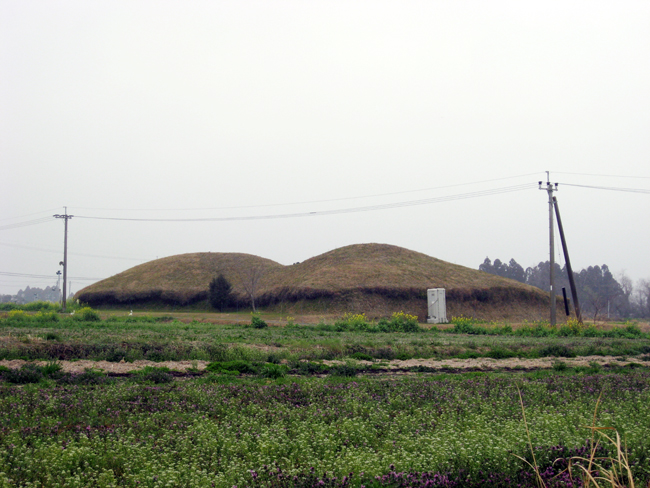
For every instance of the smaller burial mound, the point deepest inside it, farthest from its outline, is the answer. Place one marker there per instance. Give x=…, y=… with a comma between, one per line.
x=376, y=279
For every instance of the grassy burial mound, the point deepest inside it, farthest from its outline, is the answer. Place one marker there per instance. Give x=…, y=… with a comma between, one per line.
x=180, y=280
x=373, y=278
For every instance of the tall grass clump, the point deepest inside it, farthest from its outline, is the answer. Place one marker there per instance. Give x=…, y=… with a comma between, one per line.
x=398, y=322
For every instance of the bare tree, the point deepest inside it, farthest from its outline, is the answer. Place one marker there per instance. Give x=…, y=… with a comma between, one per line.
x=641, y=298
x=626, y=299
x=250, y=276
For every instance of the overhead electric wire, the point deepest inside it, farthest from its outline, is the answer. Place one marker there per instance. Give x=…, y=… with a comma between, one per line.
x=19, y=246
x=41, y=220
x=611, y=188
x=368, y=208
x=605, y=176
x=308, y=201
x=30, y=214
x=27, y=275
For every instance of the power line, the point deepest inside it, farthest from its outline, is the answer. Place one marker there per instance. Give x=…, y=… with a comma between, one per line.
x=42, y=220
x=606, y=176
x=19, y=246
x=630, y=190
x=427, y=201
x=28, y=215
x=27, y=275
x=309, y=201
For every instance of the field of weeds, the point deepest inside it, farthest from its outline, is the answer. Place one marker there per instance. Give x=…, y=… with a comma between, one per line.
x=45, y=336
x=308, y=406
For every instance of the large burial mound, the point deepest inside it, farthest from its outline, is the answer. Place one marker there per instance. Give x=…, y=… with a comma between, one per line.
x=373, y=278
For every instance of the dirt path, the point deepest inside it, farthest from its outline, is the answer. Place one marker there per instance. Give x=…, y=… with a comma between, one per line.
x=485, y=364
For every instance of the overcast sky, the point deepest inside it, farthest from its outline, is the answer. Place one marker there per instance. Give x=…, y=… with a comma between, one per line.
x=239, y=109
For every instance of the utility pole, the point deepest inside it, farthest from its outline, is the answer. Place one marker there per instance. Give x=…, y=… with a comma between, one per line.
x=65, y=218
x=550, y=189
x=572, y=283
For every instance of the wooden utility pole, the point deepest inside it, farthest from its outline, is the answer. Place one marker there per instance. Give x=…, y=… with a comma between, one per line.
x=65, y=218
x=550, y=189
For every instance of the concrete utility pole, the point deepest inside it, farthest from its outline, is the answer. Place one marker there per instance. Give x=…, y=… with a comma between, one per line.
x=65, y=218
x=550, y=189
x=572, y=283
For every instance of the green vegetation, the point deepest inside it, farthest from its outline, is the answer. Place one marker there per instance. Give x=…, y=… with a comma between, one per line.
x=50, y=336
x=465, y=430
x=572, y=328
x=270, y=410
x=220, y=293
x=257, y=322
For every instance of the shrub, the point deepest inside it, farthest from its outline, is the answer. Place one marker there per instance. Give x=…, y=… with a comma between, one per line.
x=154, y=375
x=91, y=377
x=32, y=373
x=238, y=365
x=361, y=356
x=354, y=322
x=17, y=315
x=40, y=305
x=556, y=350
x=270, y=370
x=257, y=322
x=87, y=314
x=46, y=316
x=273, y=358
x=405, y=322
x=500, y=353
x=345, y=370
x=51, y=369
x=309, y=368
x=29, y=373
x=560, y=366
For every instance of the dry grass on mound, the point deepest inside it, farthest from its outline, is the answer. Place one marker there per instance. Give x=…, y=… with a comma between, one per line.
x=369, y=278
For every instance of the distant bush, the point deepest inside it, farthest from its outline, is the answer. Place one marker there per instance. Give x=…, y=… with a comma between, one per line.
x=31, y=373
x=154, y=375
x=556, y=350
x=87, y=314
x=399, y=322
x=361, y=356
x=560, y=366
x=17, y=316
x=238, y=365
x=257, y=322
x=353, y=322
x=30, y=307
x=345, y=370
x=308, y=368
x=270, y=370
x=88, y=377
x=46, y=317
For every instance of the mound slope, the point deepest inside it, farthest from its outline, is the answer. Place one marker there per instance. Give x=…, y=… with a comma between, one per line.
x=373, y=278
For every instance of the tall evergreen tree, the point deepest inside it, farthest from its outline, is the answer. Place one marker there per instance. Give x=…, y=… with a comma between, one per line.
x=220, y=293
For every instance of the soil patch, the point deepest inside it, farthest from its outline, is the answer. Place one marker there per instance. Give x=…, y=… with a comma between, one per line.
x=479, y=364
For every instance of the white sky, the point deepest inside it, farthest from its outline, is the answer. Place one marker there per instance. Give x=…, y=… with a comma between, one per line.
x=286, y=107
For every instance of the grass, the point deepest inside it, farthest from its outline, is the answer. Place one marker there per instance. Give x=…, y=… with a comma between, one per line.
x=371, y=278
x=463, y=430
x=269, y=411
x=162, y=339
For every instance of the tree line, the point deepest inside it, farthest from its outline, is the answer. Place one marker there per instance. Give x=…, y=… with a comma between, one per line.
x=599, y=292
